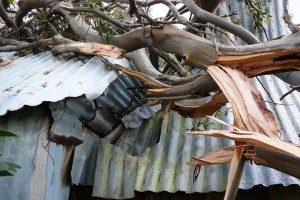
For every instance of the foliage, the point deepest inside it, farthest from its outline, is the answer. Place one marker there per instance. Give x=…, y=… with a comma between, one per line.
x=260, y=14
x=7, y=168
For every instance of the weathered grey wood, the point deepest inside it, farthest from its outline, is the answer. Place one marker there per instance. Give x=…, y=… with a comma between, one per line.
x=39, y=174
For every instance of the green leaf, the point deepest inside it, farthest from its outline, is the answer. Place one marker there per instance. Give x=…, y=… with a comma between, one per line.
x=73, y=14
x=5, y=133
x=3, y=166
x=279, y=37
x=5, y=173
x=10, y=1
x=13, y=167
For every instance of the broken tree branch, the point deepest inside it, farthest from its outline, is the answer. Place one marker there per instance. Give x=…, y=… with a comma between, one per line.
x=235, y=174
x=248, y=106
x=8, y=21
x=89, y=49
x=254, y=138
x=152, y=82
x=96, y=11
x=237, y=30
x=18, y=45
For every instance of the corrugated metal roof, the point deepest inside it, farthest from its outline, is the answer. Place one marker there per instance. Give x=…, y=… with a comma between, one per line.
x=134, y=165
x=33, y=79
x=135, y=118
x=67, y=115
x=137, y=161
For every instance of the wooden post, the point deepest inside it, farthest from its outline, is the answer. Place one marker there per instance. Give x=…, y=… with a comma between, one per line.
x=235, y=174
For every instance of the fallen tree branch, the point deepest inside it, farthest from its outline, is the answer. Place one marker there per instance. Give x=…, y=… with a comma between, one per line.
x=98, y=13
x=254, y=138
x=133, y=9
x=220, y=156
x=200, y=107
x=89, y=49
x=255, y=59
x=237, y=30
x=78, y=24
x=8, y=21
x=152, y=82
x=286, y=163
x=293, y=27
x=249, y=109
x=169, y=62
x=200, y=86
x=19, y=45
x=197, y=51
x=235, y=174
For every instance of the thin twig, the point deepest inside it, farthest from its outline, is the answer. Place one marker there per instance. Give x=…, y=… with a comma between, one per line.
x=133, y=9
x=258, y=14
x=294, y=88
x=19, y=29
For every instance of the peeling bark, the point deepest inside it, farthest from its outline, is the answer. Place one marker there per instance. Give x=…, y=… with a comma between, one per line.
x=220, y=156
x=90, y=49
x=201, y=107
x=249, y=109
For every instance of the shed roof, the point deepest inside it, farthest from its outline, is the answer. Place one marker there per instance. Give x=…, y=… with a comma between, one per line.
x=33, y=79
x=134, y=164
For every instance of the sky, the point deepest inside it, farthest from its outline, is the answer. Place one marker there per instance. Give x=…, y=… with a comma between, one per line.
x=295, y=10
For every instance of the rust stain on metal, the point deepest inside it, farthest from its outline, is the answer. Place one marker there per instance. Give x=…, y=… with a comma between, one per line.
x=64, y=140
x=5, y=63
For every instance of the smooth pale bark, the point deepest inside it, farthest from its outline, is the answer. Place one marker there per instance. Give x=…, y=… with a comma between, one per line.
x=143, y=64
x=202, y=86
x=78, y=25
x=291, y=42
x=141, y=61
x=237, y=30
x=90, y=49
x=197, y=51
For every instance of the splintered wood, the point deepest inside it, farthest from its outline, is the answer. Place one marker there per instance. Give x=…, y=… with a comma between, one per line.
x=200, y=107
x=262, y=63
x=249, y=109
x=90, y=49
x=254, y=129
